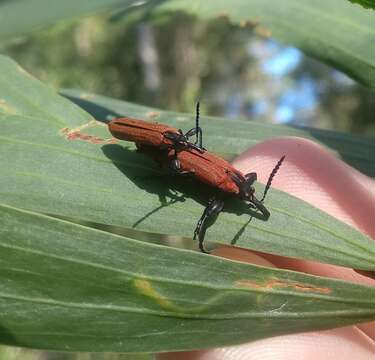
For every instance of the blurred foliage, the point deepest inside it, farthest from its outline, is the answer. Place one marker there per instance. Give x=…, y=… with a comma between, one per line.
x=173, y=60
x=15, y=353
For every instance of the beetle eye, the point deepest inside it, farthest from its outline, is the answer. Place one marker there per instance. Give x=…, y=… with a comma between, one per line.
x=170, y=135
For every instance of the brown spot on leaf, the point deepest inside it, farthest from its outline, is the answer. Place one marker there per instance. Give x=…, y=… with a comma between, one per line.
x=276, y=283
x=77, y=134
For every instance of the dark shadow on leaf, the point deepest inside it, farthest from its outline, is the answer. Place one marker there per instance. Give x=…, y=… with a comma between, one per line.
x=99, y=112
x=163, y=204
x=170, y=189
x=6, y=337
x=145, y=175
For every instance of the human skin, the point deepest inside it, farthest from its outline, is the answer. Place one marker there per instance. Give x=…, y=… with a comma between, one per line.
x=313, y=174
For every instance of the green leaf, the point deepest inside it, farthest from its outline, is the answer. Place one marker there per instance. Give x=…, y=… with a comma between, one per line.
x=357, y=151
x=21, y=16
x=81, y=173
x=335, y=31
x=368, y=4
x=70, y=287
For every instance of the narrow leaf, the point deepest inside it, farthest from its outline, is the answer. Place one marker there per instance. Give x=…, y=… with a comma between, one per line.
x=335, y=31
x=18, y=17
x=357, y=151
x=69, y=287
x=81, y=172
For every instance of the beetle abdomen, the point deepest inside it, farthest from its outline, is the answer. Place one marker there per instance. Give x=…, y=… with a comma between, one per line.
x=139, y=131
x=210, y=169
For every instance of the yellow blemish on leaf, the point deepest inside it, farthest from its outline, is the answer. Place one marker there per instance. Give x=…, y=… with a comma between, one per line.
x=6, y=108
x=272, y=284
x=90, y=124
x=145, y=288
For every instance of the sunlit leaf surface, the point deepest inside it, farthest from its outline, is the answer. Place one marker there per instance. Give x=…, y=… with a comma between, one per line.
x=69, y=287
x=58, y=160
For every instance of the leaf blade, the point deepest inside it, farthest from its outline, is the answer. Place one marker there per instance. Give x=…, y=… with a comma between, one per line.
x=357, y=151
x=13, y=21
x=316, y=28
x=110, y=293
x=80, y=173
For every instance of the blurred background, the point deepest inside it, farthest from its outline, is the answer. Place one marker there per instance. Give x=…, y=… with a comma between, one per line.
x=170, y=62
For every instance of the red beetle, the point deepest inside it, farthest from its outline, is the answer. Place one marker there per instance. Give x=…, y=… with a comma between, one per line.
x=170, y=145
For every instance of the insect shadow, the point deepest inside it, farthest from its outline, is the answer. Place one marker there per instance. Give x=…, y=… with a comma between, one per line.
x=148, y=176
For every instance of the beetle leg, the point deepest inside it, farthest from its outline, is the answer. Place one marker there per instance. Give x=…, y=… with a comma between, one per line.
x=214, y=207
x=197, y=131
x=181, y=141
x=175, y=166
x=244, y=186
x=198, y=141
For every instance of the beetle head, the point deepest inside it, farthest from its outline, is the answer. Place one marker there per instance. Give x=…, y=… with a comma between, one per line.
x=174, y=136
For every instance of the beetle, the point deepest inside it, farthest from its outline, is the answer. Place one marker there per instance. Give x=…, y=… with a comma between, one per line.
x=151, y=137
x=169, y=145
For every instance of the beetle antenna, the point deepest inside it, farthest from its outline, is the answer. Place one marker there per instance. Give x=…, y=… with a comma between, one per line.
x=198, y=130
x=272, y=175
x=197, y=115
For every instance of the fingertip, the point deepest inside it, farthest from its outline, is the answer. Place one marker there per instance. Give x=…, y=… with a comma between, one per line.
x=313, y=174
x=243, y=255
